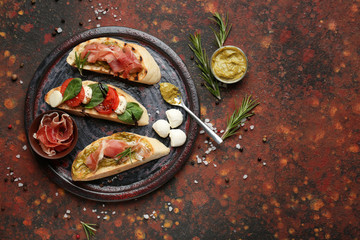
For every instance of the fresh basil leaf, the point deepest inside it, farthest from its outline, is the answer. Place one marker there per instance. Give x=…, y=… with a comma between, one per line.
x=132, y=109
x=97, y=95
x=72, y=89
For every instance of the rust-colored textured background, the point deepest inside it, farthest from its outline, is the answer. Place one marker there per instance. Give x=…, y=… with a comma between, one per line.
x=304, y=69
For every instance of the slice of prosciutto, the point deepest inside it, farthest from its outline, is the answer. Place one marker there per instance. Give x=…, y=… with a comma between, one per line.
x=110, y=148
x=121, y=60
x=55, y=133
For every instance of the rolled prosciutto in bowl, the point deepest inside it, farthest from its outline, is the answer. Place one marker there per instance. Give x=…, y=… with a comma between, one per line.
x=53, y=134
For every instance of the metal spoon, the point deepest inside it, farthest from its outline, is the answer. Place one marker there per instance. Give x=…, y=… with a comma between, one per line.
x=179, y=102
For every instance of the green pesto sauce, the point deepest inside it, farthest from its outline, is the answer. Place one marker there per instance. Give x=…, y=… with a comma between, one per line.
x=229, y=63
x=79, y=167
x=99, y=64
x=170, y=93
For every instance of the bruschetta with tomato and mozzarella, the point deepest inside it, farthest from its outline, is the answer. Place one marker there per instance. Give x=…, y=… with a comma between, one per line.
x=115, y=57
x=97, y=100
x=114, y=154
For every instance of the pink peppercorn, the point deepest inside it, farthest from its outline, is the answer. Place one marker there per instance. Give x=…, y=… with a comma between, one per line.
x=9, y=126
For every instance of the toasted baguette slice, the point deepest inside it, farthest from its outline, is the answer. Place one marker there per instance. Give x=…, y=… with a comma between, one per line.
x=108, y=167
x=81, y=111
x=150, y=73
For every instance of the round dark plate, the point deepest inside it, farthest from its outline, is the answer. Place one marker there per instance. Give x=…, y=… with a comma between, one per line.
x=138, y=181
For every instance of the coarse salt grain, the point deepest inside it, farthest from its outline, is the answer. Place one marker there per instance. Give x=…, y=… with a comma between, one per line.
x=56, y=194
x=84, y=209
x=98, y=25
x=206, y=163
x=20, y=184
x=113, y=212
x=245, y=176
x=24, y=147
x=168, y=203
x=207, y=120
x=240, y=137
x=251, y=127
x=59, y=30
x=264, y=163
x=18, y=156
x=238, y=146
x=146, y=216
x=195, y=181
x=215, y=165
x=68, y=211
x=170, y=208
x=198, y=159
x=21, y=82
x=202, y=132
x=98, y=217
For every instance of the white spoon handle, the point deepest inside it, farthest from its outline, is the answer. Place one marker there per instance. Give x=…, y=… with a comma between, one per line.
x=207, y=129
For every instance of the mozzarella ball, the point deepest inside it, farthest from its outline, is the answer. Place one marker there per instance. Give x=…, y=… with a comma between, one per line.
x=177, y=137
x=175, y=117
x=161, y=127
x=55, y=98
x=88, y=95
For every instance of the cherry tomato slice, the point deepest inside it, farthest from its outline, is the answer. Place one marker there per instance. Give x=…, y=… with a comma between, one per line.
x=110, y=103
x=76, y=101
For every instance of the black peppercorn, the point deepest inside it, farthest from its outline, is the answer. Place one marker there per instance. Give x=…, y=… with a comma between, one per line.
x=227, y=180
x=192, y=163
x=80, y=23
x=192, y=57
x=6, y=179
x=21, y=65
x=259, y=159
x=62, y=20
x=241, y=149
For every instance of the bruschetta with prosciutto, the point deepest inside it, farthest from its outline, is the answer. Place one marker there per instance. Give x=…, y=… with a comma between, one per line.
x=97, y=100
x=114, y=154
x=112, y=56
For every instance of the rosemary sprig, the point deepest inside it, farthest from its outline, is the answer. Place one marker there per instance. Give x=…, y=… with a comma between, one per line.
x=89, y=230
x=80, y=62
x=204, y=65
x=126, y=153
x=223, y=28
x=234, y=122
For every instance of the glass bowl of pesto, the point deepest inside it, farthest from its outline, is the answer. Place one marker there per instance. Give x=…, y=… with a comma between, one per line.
x=229, y=64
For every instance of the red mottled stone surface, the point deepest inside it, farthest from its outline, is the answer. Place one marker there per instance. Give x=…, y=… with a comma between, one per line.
x=304, y=69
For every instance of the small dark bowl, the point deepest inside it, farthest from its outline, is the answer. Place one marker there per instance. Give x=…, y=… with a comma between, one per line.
x=35, y=143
